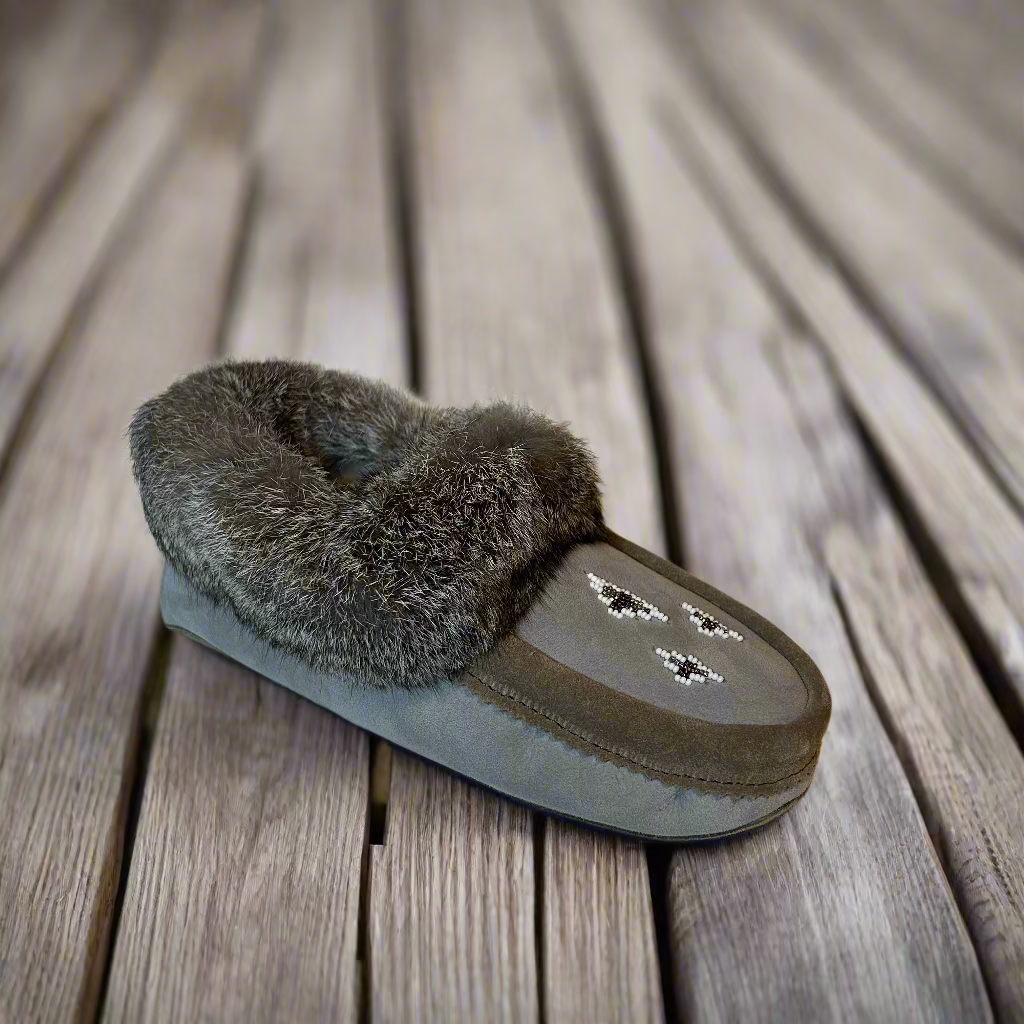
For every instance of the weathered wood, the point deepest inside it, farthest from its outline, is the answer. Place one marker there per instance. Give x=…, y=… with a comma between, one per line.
x=55, y=87
x=517, y=299
x=78, y=590
x=451, y=903
x=243, y=896
x=969, y=772
x=977, y=531
x=912, y=108
x=66, y=259
x=809, y=917
x=965, y=50
x=244, y=892
x=597, y=902
x=955, y=297
x=321, y=274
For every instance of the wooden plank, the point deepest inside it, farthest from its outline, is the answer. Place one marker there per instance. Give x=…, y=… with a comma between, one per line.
x=517, y=298
x=954, y=296
x=321, y=275
x=968, y=770
x=914, y=110
x=976, y=61
x=57, y=84
x=810, y=917
x=244, y=892
x=451, y=903
x=498, y=177
x=78, y=593
x=65, y=261
x=597, y=928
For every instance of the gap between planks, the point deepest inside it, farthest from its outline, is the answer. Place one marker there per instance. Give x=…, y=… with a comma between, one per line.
x=595, y=164
x=149, y=710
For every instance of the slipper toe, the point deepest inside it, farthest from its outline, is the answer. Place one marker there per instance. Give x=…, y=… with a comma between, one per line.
x=632, y=661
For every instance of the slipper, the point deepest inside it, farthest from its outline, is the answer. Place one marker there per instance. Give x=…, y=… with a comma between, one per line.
x=443, y=578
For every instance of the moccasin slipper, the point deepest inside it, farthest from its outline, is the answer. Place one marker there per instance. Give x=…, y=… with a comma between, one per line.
x=443, y=578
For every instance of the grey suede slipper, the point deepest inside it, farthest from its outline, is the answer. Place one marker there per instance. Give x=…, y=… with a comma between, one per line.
x=443, y=578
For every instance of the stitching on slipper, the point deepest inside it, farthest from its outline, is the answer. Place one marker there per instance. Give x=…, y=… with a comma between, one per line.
x=630, y=757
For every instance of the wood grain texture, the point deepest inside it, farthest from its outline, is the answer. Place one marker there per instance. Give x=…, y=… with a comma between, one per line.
x=810, y=917
x=62, y=267
x=977, y=531
x=911, y=108
x=243, y=896
x=244, y=893
x=518, y=300
x=955, y=297
x=78, y=595
x=975, y=50
x=968, y=771
x=597, y=904
x=55, y=87
x=320, y=277
x=451, y=903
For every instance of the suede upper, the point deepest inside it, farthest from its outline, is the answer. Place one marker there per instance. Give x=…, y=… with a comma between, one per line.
x=598, y=683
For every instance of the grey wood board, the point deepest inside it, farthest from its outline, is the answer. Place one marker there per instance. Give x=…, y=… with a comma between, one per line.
x=809, y=917
x=974, y=527
x=954, y=297
x=80, y=578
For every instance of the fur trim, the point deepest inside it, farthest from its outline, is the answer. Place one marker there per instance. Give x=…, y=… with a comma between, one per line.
x=354, y=526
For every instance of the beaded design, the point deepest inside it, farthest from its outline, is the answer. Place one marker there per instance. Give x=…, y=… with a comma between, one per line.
x=687, y=668
x=709, y=625
x=622, y=604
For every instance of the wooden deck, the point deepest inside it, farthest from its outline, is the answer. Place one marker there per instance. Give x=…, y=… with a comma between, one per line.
x=766, y=255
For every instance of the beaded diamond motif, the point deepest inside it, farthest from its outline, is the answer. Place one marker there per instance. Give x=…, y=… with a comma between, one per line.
x=709, y=625
x=686, y=668
x=621, y=603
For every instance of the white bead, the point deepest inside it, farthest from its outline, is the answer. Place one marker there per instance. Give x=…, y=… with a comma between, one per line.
x=708, y=624
x=629, y=604
x=696, y=670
